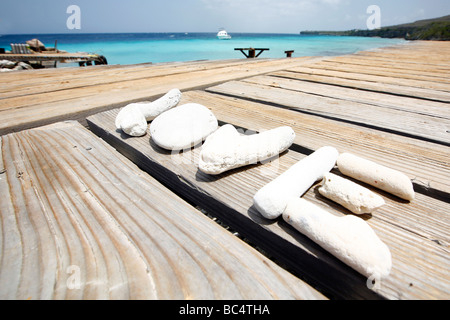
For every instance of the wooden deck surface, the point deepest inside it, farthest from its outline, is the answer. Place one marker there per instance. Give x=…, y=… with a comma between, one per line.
x=68, y=203
x=44, y=96
x=79, y=221
x=50, y=56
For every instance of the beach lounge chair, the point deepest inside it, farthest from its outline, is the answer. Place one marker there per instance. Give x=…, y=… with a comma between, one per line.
x=20, y=48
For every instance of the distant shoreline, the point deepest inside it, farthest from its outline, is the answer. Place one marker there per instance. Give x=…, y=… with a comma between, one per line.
x=132, y=48
x=430, y=29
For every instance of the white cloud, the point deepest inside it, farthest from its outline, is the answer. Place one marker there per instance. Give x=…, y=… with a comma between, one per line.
x=279, y=15
x=259, y=8
x=334, y=2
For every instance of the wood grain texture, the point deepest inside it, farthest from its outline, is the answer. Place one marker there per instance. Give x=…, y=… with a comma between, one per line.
x=392, y=86
x=392, y=70
x=72, y=205
x=427, y=55
x=408, y=105
x=419, y=247
x=87, y=77
x=49, y=97
x=79, y=221
x=388, y=119
x=426, y=164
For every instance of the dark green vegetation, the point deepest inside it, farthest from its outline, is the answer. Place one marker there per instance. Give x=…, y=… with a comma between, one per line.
x=431, y=29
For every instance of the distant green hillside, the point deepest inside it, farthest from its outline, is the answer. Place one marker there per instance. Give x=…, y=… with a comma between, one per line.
x=430, y=29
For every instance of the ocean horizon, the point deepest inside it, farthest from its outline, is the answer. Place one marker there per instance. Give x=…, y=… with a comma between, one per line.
x=135, y=48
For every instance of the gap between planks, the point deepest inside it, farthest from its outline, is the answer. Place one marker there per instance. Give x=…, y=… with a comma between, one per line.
x=24, y=112
x=427, y=164
x=73, y=204
x=424, y=127
x=230, y=196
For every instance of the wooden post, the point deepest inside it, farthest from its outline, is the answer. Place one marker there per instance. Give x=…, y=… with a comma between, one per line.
x=251, y=53
x=289, y=53
x=261, y=51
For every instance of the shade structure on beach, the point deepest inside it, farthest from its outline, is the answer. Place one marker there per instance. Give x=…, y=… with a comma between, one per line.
x=36, y=44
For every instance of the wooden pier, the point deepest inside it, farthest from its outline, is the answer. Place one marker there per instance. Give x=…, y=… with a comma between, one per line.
x=87, y=213
x=251, y=52
x=61, y=57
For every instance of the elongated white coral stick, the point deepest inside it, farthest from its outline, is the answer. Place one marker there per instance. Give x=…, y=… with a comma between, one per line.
x=348, y=238
x=349, y=194
x=376, y=175
x=271, y=200
x=132, y=119
x=227, y=149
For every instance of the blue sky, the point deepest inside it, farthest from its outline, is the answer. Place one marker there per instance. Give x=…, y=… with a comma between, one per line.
x=273, y=16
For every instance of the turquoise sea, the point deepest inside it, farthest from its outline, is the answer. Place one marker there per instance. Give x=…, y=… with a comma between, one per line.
x=132, y=48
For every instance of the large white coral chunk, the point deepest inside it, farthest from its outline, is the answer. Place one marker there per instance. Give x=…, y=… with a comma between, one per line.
x=348, y=238
x=227, y=149
x=183, y=127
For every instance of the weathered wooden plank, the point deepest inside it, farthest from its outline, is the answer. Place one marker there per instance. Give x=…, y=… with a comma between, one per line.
x=419, y=160
x=421, y=126
x=16, y=85
x=406, y=104
x=19, y=78
x=27, y=111
x=387, y=78
x=420, y=261
x=428, y=52
x=404, y=63
x=427, y=164
x=423, y=90
x=118, y=79
x=79, y=221
x=397, y=67
x=350, y=64
x=412, y=56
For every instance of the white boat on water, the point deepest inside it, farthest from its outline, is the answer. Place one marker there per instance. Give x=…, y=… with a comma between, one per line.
x=223, y=35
